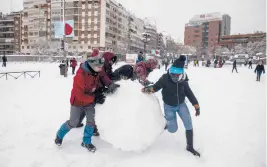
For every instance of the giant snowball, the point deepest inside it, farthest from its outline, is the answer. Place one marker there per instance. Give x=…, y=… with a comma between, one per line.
x=129, y=119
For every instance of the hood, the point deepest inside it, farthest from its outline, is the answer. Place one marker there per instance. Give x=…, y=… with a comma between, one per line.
x=109, y=56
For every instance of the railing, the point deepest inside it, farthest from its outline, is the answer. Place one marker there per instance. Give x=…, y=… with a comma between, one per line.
x=32, y=74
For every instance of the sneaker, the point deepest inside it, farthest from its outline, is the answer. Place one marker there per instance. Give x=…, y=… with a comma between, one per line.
x=90, y=147
x=58, y=141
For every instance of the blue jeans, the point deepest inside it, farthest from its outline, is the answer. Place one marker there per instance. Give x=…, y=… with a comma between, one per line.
x=170, y=116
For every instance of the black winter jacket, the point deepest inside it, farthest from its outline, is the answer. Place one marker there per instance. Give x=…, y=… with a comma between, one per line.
x=173, y=93
x=125, y=70
x=260, y=68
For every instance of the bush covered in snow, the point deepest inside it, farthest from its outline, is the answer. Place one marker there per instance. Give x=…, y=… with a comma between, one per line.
x=129, y=119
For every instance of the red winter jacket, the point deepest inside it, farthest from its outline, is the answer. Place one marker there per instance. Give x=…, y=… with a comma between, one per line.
x=108, y=56
x=73, y=63
x=84, y=85
x=140, y=70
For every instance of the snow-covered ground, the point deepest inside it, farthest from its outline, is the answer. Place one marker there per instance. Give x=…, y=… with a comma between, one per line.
x=230, y=131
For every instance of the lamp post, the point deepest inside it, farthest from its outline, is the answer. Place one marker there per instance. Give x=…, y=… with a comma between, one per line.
x=63, y=39
x=145, y=40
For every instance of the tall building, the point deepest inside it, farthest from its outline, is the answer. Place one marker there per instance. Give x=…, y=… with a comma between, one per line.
x=35, y=24
x=10, y=33
x=152, y=31
x=204, y=31
x=160, y=43
x=135, y=30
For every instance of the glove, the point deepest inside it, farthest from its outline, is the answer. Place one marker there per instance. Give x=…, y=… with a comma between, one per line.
x=148, y=89
x=100, y=99
x=146, y=82
x=112, y=88
x=100, y=91
x=197, y=108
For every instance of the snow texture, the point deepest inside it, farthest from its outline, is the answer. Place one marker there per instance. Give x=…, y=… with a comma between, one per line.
x=230, y=131
x=129, y=119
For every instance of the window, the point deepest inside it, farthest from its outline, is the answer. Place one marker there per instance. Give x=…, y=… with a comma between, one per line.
x=89, y=47
x=81, y=47
x=74, y=47
x=28, y=47
x=22, y=47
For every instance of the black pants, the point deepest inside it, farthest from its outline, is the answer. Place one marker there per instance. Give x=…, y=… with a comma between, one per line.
x=235, y=69
x=4, y=64
x=250, y=66
x=73, y=70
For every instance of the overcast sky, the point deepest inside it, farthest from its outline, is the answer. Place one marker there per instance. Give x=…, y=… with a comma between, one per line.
x=171, y=15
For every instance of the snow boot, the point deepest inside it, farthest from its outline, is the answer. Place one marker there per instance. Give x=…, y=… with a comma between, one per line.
x=63, y=130
x=90, y=147
x=189, y=140
x=58, y=141
x=96, y=133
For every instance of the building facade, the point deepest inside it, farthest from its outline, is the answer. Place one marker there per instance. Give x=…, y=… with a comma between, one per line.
x=153, y=42
x=10, y=31
x=204, y=31
x=230, y=41
x=35, y=24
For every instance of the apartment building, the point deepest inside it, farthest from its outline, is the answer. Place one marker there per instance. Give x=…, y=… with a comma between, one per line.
x=102, y=24
x=152, y=31
x=35, y=24
x=160, y=43
x=135, y=30
x=230, y=41
x=10, y=33
x=205, y=30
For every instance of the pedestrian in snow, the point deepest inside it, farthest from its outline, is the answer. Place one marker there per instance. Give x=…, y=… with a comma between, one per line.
x=234, y=66
x=140, y=57
x=110, y=59
x=250, y=64
x=4, y=59
x=143, y=69
x=105, y=86
x=139, y=71
x=73, y=65
x=83, y=99
x=167, y=64
x=215, y=63
x=258, y=70
x=175, y=88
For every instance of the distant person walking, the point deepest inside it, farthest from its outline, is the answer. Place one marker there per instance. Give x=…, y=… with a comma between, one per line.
x=73, y=65
x=234, y=66
x=258, y=70
x=4, y=59
x=250, y=64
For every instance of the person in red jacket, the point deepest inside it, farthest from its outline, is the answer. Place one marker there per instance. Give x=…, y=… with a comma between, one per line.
x=110, y=59
x=142, y=69
x=84, y=96
x=73, y=65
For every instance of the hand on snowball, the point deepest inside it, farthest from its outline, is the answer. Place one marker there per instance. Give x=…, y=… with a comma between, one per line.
x=197, y=108
x=148, y=89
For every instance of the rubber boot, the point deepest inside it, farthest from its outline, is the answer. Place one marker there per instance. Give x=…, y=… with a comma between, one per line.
x=189, y=141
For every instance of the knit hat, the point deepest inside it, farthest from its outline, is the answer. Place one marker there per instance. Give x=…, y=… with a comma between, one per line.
x=95, y=59
x=178, y=65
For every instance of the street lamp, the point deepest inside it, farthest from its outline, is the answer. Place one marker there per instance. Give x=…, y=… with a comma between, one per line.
x=145, y=39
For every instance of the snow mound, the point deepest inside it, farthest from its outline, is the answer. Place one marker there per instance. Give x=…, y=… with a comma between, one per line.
x=129, y=119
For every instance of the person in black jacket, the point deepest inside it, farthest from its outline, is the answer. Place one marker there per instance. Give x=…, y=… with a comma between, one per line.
x=123, y=72
x=250, y=64
x=234, y=66
x=175, y=88
x=258, y=70
x=4, y=59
